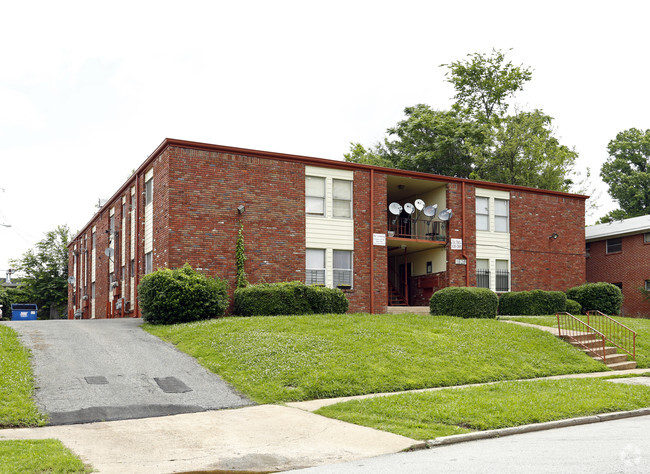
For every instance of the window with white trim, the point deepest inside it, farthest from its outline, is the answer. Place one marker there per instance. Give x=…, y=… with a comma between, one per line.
x=646, y=238
x=315, y=195
x=342, y=268
x=482, y=213
x=647, y=285
x=148, y=262
x=342, y=198
x=148, y=191
x=502, y=275
x=501, y=215
x=614, y=245
x=315, y=267
x=482, y=273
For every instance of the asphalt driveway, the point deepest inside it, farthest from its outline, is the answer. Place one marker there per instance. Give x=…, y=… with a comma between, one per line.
x=104, y=370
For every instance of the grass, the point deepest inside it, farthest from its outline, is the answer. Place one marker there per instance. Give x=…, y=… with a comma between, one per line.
x=17, y=407
x=41, y=456
x=430, y=415
x=287, y=358
x=641, y=326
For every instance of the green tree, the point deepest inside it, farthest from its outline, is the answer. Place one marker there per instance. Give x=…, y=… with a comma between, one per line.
x=427, y=140
x=484, y=82
x=627, y=173
x=523, y=151
x=44, y=271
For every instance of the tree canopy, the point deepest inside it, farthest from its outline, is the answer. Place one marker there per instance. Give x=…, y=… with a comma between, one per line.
x=44, y=271
x=476, y=138
x=627, y=173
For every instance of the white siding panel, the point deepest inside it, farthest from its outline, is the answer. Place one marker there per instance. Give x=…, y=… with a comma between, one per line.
x=329, y=172
x=329, y=233
x=148, y=228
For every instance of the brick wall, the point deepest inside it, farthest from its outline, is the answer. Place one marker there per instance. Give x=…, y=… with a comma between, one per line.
x=539, y=262
x=630, y=267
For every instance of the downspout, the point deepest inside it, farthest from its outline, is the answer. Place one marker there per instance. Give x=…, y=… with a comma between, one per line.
x=464, y=255
x=138, y=203
x=372, y=245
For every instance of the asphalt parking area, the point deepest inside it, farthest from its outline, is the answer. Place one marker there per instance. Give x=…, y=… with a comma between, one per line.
x=106, y=370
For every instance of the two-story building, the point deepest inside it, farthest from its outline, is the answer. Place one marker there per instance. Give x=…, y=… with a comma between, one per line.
x=619, y=252
x=385, y=236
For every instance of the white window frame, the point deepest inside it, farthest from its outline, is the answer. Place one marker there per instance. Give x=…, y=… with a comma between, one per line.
x=502, y=217
x=488, y=271
x=148, y=262
x=348, y=212
x=309, y=280
x=486, y=216
x=608, y=251
x=647, y=285
x=496, y=275
x=316, y=198
x=348, y=271
x=646, y=238
x=148, y=191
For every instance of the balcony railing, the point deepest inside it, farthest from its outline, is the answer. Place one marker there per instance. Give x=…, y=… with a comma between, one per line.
x=424, y=229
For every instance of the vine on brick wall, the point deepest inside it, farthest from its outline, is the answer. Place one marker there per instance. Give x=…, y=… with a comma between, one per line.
x=240, y=257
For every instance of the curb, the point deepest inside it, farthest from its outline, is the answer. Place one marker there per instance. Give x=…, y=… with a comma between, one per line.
x=585, y=420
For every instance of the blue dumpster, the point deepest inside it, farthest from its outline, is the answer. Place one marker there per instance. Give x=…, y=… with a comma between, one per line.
x=23, y=312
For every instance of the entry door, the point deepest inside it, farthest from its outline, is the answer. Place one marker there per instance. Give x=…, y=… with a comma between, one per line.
x=404, y=283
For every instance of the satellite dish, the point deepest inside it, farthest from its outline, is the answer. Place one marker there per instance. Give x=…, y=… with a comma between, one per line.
x=108, y=252
x=419, y=204
x=430, y=211
x=71, y=280
x=445, y=215
x=395, y=208
x=408, y=208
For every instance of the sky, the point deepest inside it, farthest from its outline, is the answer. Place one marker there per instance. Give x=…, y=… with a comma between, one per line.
x=89, y=89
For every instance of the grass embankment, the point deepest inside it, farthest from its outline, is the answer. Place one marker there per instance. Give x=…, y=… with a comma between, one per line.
x=453, y=411
x=46, y=455
x=640, y=326
x=287, y=358
x=17, y=407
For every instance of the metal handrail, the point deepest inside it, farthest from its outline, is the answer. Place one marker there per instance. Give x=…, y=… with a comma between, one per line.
x=616, y=333
x=580, y=333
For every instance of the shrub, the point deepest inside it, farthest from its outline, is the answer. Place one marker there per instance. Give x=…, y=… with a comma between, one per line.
x=573, y=307
x=600, y=296
x=181, y=295
x=5, y=302
x=465, y=302
x=532, y=303
x=270, y=299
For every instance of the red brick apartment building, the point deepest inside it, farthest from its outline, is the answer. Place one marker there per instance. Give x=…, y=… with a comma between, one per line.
x=619, y=253
x=325, y=222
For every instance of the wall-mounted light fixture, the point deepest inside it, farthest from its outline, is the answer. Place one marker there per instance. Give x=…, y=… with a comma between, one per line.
x=553, y=236
x=241, y=208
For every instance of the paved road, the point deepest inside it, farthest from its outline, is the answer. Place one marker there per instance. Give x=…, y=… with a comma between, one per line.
x=102, y=370
x=620, y=446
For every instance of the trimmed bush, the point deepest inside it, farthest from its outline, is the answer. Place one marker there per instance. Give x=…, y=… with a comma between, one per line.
x=600, y=296
x=464, y=302
x=271, y=299
x=180, y=296
x=573, y=307
x=532, y=303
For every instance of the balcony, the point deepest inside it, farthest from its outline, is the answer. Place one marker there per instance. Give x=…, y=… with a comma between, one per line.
x=423, y=229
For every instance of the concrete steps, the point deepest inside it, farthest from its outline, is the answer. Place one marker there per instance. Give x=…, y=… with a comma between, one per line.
x=407, y=309
x=594, y=349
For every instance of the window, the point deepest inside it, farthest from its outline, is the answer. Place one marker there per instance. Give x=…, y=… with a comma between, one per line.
x=501, y=213
x=148, y=191
x=342, y=268
x=92, y=291
x=148, y=262
x=503, y=275
x=588, y=249
x=342, y=198
x=94, y=239
x=614, y=245
x=646, y=238
x=132, y=273
x=647, y=285
x=315, y=271
x=483, y=273
x=482, y=213
x=315, y=195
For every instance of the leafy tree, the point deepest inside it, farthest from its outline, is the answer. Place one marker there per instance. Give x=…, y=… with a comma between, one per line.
x=427, y=140
x=483, y=83
x=523, y=151
x=44, y=272
x=627, y=172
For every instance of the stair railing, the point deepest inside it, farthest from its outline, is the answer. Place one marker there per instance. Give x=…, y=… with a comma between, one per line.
x=616, y=333
x=576, y=330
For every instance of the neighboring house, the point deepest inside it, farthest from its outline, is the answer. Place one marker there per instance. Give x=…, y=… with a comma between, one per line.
x=321, y=222
x=619, y=252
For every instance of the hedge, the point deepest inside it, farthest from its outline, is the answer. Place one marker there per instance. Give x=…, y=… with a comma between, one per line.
x=532, y=303
x=573, y=307
x=600, y=296
x=464, y=302
x=271, y=299
x=181, y=295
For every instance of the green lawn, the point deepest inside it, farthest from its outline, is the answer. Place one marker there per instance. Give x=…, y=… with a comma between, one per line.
x=640, y=326
x=286, y=358
x=46, y=456
x=445, y=412
x=17, y=408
